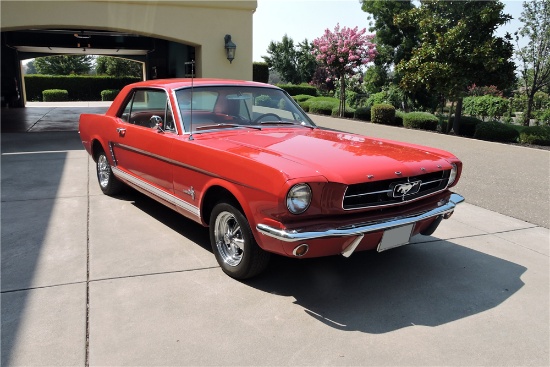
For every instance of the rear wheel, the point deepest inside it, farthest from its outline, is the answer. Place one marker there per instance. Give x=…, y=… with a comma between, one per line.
x=107, y=181
x=233, y=244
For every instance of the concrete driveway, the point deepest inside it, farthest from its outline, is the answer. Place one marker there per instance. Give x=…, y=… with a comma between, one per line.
x=94, y=280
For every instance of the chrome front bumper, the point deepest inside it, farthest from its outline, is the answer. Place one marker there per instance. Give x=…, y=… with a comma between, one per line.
x=361, y=229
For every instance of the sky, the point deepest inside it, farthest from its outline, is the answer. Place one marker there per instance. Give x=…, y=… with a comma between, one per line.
x=300, y=19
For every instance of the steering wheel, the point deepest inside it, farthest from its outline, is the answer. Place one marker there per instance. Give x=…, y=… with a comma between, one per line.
x=267, y=114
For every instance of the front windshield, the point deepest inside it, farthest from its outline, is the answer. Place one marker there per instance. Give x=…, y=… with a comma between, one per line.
x=217, y=107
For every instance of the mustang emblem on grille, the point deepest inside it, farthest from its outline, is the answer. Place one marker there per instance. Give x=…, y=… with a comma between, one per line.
x=407, y=188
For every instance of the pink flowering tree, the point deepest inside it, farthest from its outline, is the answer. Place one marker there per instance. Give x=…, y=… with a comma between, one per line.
x=343, y=52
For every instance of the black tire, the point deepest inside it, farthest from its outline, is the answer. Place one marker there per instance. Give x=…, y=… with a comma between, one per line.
x=108, y=183
x=233, y=244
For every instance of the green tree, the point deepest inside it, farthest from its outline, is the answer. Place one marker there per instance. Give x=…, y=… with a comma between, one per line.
x=30, y=68
x=458, y=48
x=295, y=64
x=393, y=42
x=115, y=66
x=63, y=64
x=535, y=57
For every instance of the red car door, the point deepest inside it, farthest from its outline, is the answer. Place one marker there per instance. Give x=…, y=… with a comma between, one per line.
x=144, y=139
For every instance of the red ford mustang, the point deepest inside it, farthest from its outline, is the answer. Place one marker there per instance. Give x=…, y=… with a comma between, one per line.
x=244, y=159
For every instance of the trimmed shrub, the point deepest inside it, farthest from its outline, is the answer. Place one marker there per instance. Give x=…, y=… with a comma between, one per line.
x=294, y=90
x=399, y=115
x=265, y=101
x=80, y=87
x=305, y=104
x=302, y=97
x=383, y=114
x=362, y=113
x=260, y=72
x=322, y=107
x=420, y=120
x=348, y=112
x=485, y=106
x=55, y=95
x=468, y=126
x=109, y=94
x=539, y=135
x=496, y=131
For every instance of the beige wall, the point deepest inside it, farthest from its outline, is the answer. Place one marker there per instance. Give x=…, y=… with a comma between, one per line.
x=202, y=24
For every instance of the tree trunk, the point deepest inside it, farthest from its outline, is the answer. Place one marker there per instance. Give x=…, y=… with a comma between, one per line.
x=342, y=105
x=450, y=119
x=458, y=116
x=527, y=116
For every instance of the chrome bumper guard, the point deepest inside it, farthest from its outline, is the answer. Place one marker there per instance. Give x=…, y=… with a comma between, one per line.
x=361, y=229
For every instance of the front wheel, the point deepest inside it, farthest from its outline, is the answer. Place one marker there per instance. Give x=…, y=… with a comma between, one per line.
x=233, y=244
x=107, y=181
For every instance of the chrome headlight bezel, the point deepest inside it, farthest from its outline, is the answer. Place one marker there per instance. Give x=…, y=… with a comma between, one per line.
x=298, y=198
x=452, y=174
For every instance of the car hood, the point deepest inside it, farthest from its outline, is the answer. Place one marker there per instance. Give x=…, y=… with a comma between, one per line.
x=338, y=156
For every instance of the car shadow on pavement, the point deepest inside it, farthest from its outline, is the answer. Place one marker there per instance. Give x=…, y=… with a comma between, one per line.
x=430, y=283
x=173, y=220
x=427, y=284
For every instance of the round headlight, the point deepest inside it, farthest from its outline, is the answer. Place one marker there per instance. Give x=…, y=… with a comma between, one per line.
x=452, y=175
x=298, y=198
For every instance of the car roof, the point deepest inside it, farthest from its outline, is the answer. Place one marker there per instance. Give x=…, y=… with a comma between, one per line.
x=178, y=83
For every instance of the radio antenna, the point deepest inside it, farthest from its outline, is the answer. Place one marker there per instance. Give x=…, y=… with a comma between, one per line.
x=192, y=63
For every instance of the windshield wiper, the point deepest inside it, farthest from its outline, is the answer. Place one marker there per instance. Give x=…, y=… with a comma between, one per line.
x=285, y=123
x=223, y=126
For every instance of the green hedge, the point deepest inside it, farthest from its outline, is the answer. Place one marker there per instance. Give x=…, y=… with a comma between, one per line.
x=266, y=101
x=302, y=97
x=348, y=112
x=80, y=87
x=399, y=115
x=496, y=131
x=305, y=104
x=322, y=107
x=468, y=126
x=294, y=90
x=362, y=113
x=420, y=120
x=55, y=95
x=109, y=94
x=539, y=135
x=383, y=114
x=260, y=72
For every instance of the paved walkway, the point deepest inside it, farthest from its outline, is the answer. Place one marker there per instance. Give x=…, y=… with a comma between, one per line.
x=89, y=279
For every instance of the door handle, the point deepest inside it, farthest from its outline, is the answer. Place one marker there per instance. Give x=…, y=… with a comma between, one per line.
x=121, y=131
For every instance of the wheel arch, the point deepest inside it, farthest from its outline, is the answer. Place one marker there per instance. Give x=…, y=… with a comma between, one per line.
x=96, y=148
x=214, y=195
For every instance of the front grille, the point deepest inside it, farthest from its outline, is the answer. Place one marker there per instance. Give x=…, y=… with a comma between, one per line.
x=381, y=193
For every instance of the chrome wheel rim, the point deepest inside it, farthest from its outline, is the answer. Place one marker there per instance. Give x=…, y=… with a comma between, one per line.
x=103, y=171
x=229, y=239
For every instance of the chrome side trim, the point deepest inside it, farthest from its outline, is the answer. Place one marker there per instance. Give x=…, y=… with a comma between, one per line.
x=157, y=192
x=178, y=164
x=359, y=229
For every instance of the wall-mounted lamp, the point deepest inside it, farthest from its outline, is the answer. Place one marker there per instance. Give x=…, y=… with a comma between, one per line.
x=230, y=48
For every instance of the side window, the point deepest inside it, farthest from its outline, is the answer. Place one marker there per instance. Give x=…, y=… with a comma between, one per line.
x=125, y=116
x=148, y=108
x=169, y=124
